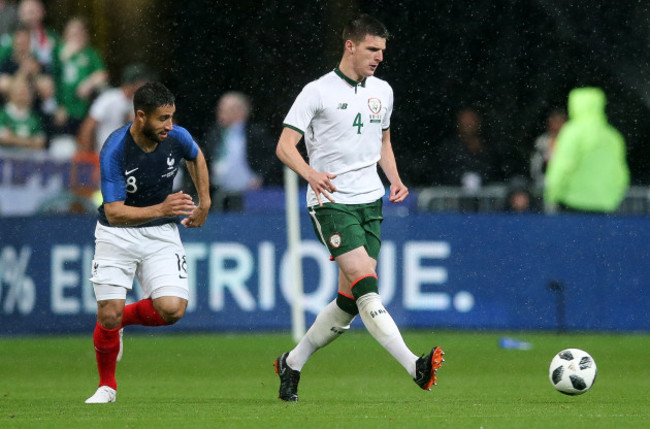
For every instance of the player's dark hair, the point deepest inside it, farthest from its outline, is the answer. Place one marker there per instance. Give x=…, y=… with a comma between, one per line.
x=357, y=29
x=151, y=96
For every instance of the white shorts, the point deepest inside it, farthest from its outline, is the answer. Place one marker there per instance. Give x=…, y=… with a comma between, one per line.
x=154, y=254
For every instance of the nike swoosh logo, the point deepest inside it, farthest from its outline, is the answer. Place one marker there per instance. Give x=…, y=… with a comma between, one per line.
x=126, y=173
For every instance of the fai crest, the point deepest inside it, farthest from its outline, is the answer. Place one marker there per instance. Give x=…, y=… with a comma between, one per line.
x=335, y=240
x=374, y=104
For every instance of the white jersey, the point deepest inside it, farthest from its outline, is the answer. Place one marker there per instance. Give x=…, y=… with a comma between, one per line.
x=112, y=110
x=342, y=122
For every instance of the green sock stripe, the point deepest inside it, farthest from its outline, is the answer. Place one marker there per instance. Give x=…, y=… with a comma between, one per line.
x=347, y=304
x=365, y=285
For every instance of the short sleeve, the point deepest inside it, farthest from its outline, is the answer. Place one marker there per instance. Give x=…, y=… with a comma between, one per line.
x=304, y=108
x=190, y=148
x=111, y=160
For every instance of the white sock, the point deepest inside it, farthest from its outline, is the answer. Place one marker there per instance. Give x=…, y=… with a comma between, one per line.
x=382, y=327
x=330, y=323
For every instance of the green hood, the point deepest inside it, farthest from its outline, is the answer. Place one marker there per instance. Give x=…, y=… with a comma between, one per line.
x=587, y=103
x=588, y=169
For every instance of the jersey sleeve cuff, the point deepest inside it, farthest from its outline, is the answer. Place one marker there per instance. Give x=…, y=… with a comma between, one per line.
x=294, y=128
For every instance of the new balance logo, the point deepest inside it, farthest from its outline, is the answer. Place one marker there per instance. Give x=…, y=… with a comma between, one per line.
x=342, y=106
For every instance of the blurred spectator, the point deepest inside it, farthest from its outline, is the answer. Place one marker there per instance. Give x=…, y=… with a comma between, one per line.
x=111, y=110
x=44, y=41
x=466, y=159
x=544, y=145
x=19, y=61
x=79, y=75
x=240, y=153
x=8, y=17
x=20, y=127
x=519, y=198
x=588, y=170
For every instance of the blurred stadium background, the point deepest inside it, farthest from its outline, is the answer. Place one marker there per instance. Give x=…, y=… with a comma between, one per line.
x=513, y=60
x=449, y=260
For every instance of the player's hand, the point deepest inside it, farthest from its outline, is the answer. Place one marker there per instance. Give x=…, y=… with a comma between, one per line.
x=398, y=193
x=197, y=218
x=178, y=204
x=321, y=184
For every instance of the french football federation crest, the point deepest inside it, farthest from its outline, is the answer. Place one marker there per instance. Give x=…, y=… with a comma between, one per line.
x=374, y=104
x=335, y=240
x=170, y=162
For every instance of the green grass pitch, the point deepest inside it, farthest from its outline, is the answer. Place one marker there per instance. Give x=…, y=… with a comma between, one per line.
x=218, y=380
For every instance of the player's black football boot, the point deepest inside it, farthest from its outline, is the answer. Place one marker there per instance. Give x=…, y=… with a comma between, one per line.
x=289, y=379
x=426, y=368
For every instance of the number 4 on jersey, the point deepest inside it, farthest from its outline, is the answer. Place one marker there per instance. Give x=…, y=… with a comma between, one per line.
x=357, y=123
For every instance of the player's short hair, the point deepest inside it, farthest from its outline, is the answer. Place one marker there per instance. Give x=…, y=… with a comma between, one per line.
x=151, y=96
x=364, y=24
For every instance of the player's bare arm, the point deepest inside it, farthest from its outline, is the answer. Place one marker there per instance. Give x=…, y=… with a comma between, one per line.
x=178, y=204
x=398, y=191
x=287, y=152
x=199, y=172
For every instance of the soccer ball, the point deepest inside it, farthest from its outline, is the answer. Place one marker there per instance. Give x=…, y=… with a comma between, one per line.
x=572, y=372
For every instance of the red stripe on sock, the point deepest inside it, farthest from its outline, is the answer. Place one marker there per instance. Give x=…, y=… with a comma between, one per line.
x=142, y=313
x=107, y=345
x=346, y=295
x=361, y=278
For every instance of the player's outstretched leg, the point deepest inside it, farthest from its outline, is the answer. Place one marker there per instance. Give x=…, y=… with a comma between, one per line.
x=426, y=368
x=331, y=323
x=382, y=327
x=289, y=379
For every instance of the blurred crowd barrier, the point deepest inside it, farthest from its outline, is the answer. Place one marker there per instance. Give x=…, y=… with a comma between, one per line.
x=494, y=198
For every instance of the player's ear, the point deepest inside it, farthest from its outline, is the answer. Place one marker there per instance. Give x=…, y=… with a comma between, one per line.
x=350, y=46
x=139, y=114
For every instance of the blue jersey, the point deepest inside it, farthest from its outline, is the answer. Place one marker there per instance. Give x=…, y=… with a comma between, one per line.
x=138, y=178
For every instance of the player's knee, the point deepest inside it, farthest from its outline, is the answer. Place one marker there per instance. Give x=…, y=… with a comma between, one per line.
x=171, y=309
x=172, y=317
x=109, y=314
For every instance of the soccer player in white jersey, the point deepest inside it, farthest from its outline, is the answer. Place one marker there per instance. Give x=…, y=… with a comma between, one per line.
x=137, y=227
x=344, y=118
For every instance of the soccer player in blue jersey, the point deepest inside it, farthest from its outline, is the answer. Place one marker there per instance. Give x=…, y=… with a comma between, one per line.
x=137, y=230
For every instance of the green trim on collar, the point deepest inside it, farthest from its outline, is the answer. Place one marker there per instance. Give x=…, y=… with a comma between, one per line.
x=348, y=80
x=294, y=128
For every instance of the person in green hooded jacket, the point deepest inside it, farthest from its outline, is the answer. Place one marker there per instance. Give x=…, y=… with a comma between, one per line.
x=588, y=170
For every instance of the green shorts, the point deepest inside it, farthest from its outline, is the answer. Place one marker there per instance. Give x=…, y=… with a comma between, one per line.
x=344, y=227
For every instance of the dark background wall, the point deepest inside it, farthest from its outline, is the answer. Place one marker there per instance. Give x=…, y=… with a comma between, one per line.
x=513, y=60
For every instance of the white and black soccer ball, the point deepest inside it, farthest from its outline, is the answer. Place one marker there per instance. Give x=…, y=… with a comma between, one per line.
x=572, y=371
